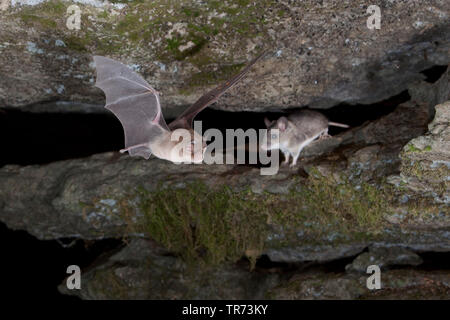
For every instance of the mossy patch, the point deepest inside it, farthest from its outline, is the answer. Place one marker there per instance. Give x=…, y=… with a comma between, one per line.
x=212, y=77
x=162, y=31
x=207, y=226
x=325, y=209
x=76, y=43
x=412, y=148
x=202, y=225
x=44, y=15
x=30, y=19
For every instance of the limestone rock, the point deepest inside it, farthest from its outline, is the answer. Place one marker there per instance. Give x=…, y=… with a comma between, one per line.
x=384, y=257
x=426, y=159
x=322, y=53
x=395, y=284
x=142, y=271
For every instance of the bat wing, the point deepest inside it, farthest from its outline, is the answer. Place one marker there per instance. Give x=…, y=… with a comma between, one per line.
x=185, y=119
x=134, y=102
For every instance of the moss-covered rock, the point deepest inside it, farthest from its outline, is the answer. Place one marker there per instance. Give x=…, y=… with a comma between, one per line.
x=321, y=53
x=426, y=159
x=395, y=284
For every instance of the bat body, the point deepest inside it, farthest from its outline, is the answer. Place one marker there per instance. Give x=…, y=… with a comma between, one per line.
x=136, y=104
x=296, y=132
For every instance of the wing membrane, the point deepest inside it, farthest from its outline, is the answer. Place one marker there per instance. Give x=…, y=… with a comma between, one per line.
x=133, y=101
x=186, y=118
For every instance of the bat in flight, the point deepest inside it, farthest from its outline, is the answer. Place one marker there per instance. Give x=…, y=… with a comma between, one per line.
x=136, y=104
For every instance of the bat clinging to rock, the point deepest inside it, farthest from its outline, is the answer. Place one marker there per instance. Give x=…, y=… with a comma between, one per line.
x=136, y=104
x=296, y=132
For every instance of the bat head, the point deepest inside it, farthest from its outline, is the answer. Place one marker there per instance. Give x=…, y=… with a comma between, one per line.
x=276, y=128
x=189, y=146
x=198, y=147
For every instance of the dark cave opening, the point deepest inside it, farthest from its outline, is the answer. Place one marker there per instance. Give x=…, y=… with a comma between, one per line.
x=434, y=73
x=39, y=138
x=34, y=268
x=432, y=261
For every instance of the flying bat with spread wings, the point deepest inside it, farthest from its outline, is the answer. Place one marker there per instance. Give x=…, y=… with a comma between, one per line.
x=136, y=104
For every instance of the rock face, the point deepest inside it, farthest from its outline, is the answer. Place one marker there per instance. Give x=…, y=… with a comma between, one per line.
x=426, y=159
x=142, y=271
x=384, y=258
x=395, y=284
x=322, y=53
x=376, y=193
x=87, y=198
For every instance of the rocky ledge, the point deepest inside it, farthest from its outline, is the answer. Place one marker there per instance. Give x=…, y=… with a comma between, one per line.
x=377, y=193
x=382, y=185
x=322, y=53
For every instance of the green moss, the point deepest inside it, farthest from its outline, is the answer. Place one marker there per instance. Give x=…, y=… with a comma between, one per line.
x=30, y=19
x=190, y=12
x=413, y=148
x=209, y=77
x=174, y=44
x=324, y=205
x=103, y=15
x=208, y=226
x=45, y=15
x=54, y=7
x=77, y=43
x=281, y=13
x=146, y=22
x=202, y=225
x=200, y=25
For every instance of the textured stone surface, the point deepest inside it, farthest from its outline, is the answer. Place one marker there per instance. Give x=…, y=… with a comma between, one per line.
x=426, y=159
x=395, y=284
x=322, y=53
x=61, y=191
x=142, y=271
x=81, y=197
x=384, y=258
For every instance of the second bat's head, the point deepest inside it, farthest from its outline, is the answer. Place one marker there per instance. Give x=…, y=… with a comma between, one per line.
x=275, y=131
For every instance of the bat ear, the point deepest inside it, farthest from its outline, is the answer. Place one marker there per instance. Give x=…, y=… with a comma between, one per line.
x=282, y=123
x=267, y=122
